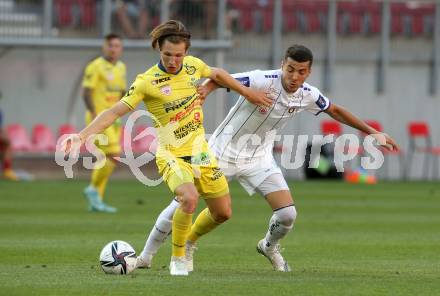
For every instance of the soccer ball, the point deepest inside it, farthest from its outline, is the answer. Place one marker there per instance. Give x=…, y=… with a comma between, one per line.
x=118, y=257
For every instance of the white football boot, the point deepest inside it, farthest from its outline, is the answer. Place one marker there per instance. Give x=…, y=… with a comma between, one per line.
x=144, y=261
x=274, y=256
x=178, y=266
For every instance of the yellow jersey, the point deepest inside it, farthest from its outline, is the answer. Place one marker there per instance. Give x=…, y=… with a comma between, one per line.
x=107, y=82
x=173, y=102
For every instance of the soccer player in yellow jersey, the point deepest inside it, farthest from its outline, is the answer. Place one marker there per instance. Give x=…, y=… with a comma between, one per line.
x=187, y=165
x=104, y=84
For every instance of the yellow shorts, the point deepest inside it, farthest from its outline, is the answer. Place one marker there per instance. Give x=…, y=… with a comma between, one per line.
x=113, y=134
x=206, y=175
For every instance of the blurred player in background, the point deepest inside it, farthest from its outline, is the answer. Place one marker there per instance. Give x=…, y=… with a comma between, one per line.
x=104, y=84
x=169, y=91
x=250, y=159
x=6, y=153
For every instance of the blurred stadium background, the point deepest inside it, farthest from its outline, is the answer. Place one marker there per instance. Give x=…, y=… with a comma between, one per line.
x=378, y=58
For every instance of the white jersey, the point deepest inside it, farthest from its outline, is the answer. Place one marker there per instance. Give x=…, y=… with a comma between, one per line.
x=248, y=131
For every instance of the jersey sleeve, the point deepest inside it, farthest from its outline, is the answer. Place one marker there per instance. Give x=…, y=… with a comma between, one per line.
x=318, y=102
x=205, y=70
x=253, y=79
x=135, y=94
x=91, y=75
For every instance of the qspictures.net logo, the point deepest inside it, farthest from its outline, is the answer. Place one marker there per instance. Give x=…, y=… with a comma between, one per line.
x=293, y=153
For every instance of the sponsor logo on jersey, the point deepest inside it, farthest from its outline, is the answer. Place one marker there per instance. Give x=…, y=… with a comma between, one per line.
x=244, y=81
x=216, y=174
x=171, y=163
x=291, y=109
x=161, y=80
x=321, y=102
x=171, y=106
x=187, y=110
x=185, y=130
x=263, y=109
x=166, y=90
x=197, y=116
x=194, y=82
x=130, y=91
x=271, y=76
x=201, y=159
x=190, y=70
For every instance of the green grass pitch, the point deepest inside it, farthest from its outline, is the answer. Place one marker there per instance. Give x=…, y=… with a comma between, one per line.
x=348, y=240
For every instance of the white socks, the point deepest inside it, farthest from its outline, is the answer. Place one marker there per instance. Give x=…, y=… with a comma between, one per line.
x=280, y=224
x=161, y=230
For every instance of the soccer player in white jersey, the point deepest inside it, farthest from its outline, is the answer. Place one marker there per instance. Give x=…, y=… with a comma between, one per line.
x=252, y=163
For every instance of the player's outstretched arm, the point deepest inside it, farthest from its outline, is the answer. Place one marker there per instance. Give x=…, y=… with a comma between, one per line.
x=223, y=78
x=346, y=117
x=100, y=123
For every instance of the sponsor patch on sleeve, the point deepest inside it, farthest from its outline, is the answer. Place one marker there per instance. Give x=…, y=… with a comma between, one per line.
x=321, y=102
x=244, y=81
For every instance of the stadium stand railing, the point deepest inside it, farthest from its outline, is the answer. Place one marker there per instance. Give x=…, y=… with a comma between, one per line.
x=354, y=17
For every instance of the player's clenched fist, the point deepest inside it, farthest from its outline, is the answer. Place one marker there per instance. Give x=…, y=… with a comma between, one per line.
x=70, y=144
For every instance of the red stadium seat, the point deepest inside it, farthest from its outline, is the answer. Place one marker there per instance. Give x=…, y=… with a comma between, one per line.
x=66, y=129
x=43, y=139
x=63, y=9
x=378, y=126
x=147, y=141
x=245, y=8
x=88, y=13
x=20, y=141
x=349, y=17
x=373, y=12
x=65, y=16
x=398, y=10
x=420, y=141
x=289, y=16
x=329, y=127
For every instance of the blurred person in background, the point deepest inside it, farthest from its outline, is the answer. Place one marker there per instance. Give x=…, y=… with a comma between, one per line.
x=142, y=10
x=6, y=153
x=104, y=83
x=199, y=15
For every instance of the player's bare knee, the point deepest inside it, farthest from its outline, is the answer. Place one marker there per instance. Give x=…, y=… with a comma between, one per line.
x=223, y=215
x=189, y=201
x=188, y=197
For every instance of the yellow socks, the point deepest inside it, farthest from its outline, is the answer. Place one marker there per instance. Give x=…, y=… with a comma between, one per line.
x=181, y=227
x=203, y=224
x=100, y=176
